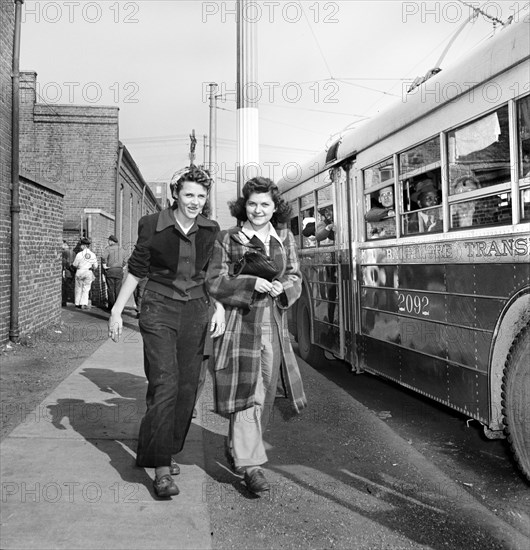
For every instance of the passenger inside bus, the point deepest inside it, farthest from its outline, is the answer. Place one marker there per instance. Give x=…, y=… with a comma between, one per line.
x=325, y=231
x=525, y=165
x=481, y=211
x=381, y=219
x=428, y=218
x=308, y=229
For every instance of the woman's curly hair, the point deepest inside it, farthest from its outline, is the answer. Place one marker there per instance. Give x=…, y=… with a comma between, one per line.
x=261, y=185
x=190, y=173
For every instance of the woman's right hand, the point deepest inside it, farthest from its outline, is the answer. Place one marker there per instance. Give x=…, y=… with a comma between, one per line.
x=262, y=285
x=115, y=326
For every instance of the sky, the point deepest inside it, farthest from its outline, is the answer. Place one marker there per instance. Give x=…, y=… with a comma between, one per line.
x=322, y=67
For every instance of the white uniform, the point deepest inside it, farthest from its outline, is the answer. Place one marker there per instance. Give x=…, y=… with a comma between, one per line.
x=84, y=261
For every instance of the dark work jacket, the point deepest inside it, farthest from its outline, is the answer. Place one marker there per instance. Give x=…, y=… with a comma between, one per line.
x=156, y=253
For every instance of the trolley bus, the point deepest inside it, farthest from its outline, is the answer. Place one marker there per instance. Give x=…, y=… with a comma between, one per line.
x=414, y=238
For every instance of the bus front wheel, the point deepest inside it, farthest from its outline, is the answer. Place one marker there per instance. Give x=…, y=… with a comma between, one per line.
x=308, y=352
x=516, y=399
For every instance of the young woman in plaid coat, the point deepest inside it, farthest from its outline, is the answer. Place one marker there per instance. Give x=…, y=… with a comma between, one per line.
x=256, y=343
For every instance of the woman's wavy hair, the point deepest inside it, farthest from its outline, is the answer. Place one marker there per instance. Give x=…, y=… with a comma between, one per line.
x=261, y=185
x=190, y=173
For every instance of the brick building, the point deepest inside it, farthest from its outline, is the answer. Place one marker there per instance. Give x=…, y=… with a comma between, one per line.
x=37, y=301
x=77, y=149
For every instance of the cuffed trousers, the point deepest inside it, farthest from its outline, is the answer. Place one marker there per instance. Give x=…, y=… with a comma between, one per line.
x=247, y=427
x=173, y=333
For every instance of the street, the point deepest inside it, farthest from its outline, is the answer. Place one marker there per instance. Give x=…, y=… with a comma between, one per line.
x=368, y=465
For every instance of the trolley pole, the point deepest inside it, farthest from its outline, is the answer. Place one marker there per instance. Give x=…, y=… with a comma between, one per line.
x=212, y=150
x=247, y=107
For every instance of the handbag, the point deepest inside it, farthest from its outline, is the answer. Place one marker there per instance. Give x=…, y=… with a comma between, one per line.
x=255, y=262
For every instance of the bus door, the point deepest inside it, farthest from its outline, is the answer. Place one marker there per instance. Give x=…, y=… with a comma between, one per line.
x=326, y=273
x=348, y=295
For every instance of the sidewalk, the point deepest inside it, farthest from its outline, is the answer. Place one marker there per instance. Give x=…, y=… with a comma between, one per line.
x=68, y=474
x=340, y=476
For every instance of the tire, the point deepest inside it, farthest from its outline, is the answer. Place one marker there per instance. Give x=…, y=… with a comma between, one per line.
x=310, y=353
x=516, y=399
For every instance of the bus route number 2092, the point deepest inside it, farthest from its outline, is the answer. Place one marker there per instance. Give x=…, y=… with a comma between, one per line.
x=413, y=304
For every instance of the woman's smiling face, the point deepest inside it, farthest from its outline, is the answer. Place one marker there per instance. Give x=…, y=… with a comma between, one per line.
x=191, y=199
x=260, y=207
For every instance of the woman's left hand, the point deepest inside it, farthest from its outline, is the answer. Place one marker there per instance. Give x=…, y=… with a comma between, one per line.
x=277, y=289
x=217, y=323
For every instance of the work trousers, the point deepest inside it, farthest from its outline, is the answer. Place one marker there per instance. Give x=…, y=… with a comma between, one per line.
x=83, y=282
x=113, y=289
x=248, y=426
x=68, y=289
x=173, y=334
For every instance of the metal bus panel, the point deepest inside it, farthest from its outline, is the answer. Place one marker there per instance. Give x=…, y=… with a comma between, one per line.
x=462, y=389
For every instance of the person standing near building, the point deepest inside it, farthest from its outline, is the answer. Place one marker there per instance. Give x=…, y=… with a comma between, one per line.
x=85, y=263
x=68, y=258
x=256, y=343
x=173, y=250
x=113, y=262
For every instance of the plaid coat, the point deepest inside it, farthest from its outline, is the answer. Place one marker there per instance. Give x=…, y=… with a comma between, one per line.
x=238, y=351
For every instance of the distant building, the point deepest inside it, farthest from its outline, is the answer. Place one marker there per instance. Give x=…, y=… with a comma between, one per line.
x=161, y=192
x=76, y=148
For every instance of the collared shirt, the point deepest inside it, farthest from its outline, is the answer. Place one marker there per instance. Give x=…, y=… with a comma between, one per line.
x=250, y=232
x=113, y=256
x=174, y=262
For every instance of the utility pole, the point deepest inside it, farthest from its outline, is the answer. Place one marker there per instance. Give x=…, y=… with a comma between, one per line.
x=204, y=147
x=247, y=107
x=212, y=151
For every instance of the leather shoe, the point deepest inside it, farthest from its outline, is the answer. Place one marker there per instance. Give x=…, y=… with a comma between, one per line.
x=165, y=486
x=256, y=481
x=174, y=468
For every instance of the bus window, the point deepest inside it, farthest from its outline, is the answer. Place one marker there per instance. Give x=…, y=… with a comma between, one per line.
x=325, y=229
x=422, y=209
x=420, y=183
x=523, y=108
x=308, y=228
x=480, y=150
x=325, y=226
x=380, y=216
x=421, y=158
x=491, y=210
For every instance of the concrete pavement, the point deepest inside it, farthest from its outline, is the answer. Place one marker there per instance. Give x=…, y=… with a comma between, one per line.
x=340, y=476
x=68, y=475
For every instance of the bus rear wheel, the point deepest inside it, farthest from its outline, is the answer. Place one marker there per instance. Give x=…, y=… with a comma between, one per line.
x=308, y=352
x=516, y=399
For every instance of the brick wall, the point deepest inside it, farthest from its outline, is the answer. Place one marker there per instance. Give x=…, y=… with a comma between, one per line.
x=41, y=225
x=7, y=24
x=75, y=149
x=72, y=146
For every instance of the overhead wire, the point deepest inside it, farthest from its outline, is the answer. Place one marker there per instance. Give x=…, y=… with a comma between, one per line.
x=316, y=41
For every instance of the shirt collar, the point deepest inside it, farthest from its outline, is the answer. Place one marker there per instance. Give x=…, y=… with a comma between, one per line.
x=167, y=219
x=249, y=232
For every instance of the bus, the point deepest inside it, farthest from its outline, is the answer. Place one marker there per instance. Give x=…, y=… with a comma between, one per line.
x=414, y=239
